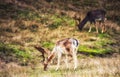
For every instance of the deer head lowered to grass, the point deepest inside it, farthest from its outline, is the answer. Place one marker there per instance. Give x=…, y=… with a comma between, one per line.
x=93, y=17
x=66, y=46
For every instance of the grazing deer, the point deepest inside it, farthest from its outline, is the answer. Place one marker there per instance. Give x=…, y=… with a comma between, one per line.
x=43, y=51
x=93, y=17
x=66, y=46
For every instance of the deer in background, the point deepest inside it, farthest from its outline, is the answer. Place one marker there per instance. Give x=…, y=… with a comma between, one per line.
x=93, y=17
x=66, y=46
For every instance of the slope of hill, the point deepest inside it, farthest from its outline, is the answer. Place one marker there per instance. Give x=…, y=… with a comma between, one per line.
x=25, y=23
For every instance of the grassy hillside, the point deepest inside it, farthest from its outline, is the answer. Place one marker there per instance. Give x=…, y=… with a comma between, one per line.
x=24, y=24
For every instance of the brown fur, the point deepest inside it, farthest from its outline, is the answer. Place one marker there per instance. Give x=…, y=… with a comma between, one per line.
x=62, y=47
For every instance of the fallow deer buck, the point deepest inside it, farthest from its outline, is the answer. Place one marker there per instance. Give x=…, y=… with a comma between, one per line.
x=66, y=46
x=93, y=17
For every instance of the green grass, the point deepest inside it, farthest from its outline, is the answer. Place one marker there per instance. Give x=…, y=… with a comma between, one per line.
x=28, y=15
x=98, y=45
x=94, y=51
x=15, y=53
x=60, y=21
x=104, y=35
x=48, y=45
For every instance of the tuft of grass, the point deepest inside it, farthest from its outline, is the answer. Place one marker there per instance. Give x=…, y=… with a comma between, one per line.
x=92, y=51
x=103, y=35
x=28, y=15
x=48, y=45
x=60, y=21
x=69, y=21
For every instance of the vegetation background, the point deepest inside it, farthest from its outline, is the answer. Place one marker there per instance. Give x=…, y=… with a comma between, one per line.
x=25, y=23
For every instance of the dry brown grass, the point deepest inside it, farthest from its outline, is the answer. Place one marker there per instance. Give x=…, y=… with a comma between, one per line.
x=88, y=67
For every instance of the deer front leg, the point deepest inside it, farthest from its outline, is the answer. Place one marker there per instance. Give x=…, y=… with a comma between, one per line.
x=66, y=61
x=103, y=28
x=96, y=26
x=90, y=28
x=58, y=60
x=75, y=59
